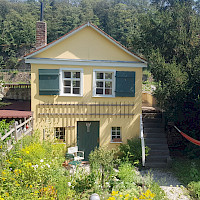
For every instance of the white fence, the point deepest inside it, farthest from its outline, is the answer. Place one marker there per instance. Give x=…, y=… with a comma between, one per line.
x=17, y=132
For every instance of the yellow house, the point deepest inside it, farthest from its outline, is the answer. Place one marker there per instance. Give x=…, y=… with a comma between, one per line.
x=86, y=89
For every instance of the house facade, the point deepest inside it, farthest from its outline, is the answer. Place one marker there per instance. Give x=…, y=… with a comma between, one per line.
x=86, y=89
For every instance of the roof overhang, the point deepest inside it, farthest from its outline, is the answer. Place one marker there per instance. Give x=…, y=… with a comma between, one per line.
x=79, y=62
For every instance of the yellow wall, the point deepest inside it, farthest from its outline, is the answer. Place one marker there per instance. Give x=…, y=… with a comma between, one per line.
x=86, y=44
x=148, y=100
x=130, y=125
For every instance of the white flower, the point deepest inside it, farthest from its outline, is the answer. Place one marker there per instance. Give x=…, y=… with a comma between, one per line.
x=69, y=184
x=35, y=166
x=48, y=165
x=41, y=160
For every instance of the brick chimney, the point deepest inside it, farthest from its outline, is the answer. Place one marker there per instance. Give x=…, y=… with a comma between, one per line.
x=41, y=34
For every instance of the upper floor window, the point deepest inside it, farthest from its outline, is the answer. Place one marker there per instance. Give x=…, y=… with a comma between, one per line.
x=71, y=82
x=104, y=83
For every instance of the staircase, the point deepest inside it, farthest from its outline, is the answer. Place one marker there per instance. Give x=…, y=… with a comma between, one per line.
x=155, y=139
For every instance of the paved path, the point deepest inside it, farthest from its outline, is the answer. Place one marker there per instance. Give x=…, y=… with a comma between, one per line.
x=173, y=189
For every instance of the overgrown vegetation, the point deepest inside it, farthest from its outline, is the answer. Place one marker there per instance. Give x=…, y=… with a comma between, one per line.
x=5, y=126
x=32, y=170
x=132, y=151
x=188, y=172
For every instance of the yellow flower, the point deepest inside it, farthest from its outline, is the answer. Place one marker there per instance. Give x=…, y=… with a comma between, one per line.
x=120, y=195
x=27, y=152
x=135, y=198
x=30, y=186
x=3, y=173
x=1, y=147
x=114, y=193
x=29, y=164
x=111, y=198
x=4, y=179
x=20, y=159
x=7, y=194
x=9, y=161
x=127, y=195
x=1, y=198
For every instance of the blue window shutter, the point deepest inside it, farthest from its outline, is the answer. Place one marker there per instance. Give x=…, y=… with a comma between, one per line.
x=125, y=84
x=48, y=81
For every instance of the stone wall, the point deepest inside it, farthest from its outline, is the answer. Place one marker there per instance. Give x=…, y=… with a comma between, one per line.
x=15, y=77
x=17, y=91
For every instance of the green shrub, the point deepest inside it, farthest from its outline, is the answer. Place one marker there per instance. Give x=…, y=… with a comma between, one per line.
x=194, y=188
x=102, y=163
x=132, y=151
x=155, y=189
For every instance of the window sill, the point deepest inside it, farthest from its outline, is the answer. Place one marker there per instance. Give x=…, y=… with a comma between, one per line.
x=115, y=142
x=64, y=95
x=103, y=96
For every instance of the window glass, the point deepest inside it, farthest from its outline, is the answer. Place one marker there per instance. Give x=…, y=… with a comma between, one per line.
x=72, y=82
x=67, y=74
x=104, y=83
x=108, y=75
x=116, y=134
x=60, y=133
x=99, y=75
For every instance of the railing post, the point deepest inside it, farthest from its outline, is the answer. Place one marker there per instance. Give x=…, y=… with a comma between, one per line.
x=142, y=141
x=15, y=132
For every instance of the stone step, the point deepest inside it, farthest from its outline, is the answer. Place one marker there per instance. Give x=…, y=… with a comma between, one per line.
x=153, y=125
x=157, y=147
x=155, y=141
x=152, y=120
x=154, y=135
x=151, y=115
x=160, y=158
x=156, y=165
x=164, y=152
x=154, y=130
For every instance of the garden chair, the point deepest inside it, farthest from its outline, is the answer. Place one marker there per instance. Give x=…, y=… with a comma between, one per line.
x=77, y=155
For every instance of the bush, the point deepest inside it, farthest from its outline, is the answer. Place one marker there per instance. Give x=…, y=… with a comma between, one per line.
x=102, y=162
x=132, y=151
x=194, y=188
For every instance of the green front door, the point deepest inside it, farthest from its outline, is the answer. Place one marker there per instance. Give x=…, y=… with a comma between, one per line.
x=87, y=136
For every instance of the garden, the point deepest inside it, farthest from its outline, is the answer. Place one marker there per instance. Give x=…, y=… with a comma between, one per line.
x=33, y=170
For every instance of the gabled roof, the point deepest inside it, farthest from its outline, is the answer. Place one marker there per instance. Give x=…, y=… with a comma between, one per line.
x=75, y=31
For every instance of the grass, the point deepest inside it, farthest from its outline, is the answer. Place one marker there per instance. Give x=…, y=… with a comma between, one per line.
x=188, y=173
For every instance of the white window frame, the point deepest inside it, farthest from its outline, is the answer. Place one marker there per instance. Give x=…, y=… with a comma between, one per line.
x=62, y=70
x=95, y=80
x=111, y=141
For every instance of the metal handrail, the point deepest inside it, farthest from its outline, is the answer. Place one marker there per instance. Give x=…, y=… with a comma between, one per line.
x=142, y=141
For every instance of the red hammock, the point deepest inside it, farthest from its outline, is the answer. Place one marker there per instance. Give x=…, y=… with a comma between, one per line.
x=188, y=137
